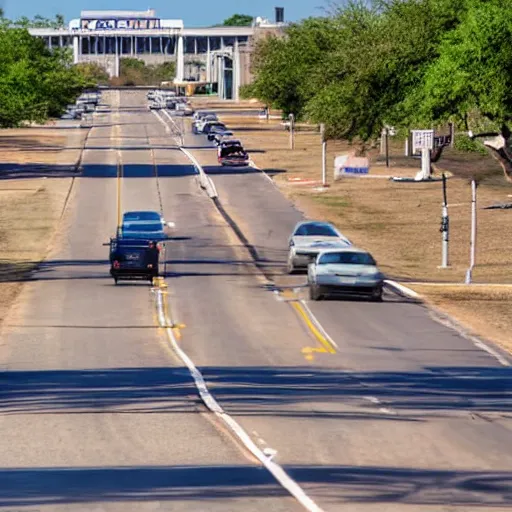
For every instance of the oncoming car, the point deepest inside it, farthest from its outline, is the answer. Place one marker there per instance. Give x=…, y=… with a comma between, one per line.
x=310, y=238
x=144, y=225
x=348, y=271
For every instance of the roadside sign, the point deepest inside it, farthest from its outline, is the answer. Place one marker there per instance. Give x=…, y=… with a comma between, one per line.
x=422, y=139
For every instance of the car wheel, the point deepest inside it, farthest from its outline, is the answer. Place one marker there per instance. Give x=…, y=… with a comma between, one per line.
x=377, y=295
x=314, y=292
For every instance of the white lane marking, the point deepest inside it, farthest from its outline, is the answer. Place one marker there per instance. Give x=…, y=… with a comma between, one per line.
x=376, y=401
x=476, y=341
x=167, y=129
x=275, y=469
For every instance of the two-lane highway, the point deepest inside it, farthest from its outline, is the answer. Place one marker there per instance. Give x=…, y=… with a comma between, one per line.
x=396, y=413
x=95, y=412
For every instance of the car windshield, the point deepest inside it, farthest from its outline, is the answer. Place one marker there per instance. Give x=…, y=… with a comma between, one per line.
x=347, y=258
x=315, y=230
x=137, y=227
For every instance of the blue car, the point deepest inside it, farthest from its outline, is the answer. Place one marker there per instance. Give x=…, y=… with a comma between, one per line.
x=144, y=225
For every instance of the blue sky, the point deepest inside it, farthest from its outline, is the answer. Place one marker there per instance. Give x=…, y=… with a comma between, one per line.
x=193, y=12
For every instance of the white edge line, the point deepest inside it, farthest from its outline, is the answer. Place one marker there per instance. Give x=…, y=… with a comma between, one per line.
x=206, y=182
x=447, y=322
x=317, y=324
x=167, y=129
x=275, y=469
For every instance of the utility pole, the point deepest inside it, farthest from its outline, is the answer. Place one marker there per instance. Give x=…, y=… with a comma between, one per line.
x=472, y=253
x=445, y=227
x=386, y=134
x=291, y=117
x=324, y=155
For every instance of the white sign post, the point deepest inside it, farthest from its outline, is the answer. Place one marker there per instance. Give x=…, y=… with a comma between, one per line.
x=324, y=155
x=423, y=140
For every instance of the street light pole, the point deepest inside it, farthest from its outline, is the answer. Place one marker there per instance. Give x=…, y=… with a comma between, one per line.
x=324, y=155
x=472, y=256
x=291, y=117
x=445, y=227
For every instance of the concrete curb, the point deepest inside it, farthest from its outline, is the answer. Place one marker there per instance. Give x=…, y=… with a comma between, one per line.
x=402, y=290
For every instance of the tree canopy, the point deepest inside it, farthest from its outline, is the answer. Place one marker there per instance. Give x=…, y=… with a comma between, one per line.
x=238, y=20
x=35, y=83
x=410, y=63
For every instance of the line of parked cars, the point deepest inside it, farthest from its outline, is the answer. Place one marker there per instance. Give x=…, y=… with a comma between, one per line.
x=162, y=98
x=230, y=151
x=334, y=265
x=86, y=103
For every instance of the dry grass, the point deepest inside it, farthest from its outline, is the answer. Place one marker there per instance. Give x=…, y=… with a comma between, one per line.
x=30, y=208
x=482, y=310
x=399, y=222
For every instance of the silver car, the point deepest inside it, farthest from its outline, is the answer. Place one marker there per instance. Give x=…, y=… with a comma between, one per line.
x=308, y=239
x=348, y=271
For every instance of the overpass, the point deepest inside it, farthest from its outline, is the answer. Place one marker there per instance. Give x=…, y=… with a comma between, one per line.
x=216, y=55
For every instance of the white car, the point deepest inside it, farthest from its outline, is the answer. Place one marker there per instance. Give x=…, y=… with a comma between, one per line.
x=309, y=238
x=347, y=271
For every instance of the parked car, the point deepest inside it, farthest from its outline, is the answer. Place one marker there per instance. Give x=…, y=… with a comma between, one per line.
x=215, y=125
x=198, y=125
x=233, y=155
x=308, y=239
x=219, y=138
x=349, y=271
x=217, y=130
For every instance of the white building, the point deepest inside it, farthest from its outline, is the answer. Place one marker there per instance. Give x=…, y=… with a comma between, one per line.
x=216, y=55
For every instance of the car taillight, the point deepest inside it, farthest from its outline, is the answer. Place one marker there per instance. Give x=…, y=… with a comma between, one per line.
x=150, y=265
x=116, y=264
x=151, y=245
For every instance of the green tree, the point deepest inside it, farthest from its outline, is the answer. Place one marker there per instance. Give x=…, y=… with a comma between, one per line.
x=238, y=20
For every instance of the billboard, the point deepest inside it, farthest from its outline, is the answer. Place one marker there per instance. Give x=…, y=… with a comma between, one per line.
x=120, y=24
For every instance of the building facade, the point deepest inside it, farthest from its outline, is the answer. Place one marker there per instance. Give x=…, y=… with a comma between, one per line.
x=214, y=55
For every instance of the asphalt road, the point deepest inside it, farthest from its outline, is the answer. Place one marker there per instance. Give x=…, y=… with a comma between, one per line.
x=97, y=413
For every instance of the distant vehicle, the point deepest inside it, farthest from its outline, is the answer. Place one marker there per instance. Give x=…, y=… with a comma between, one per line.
x=134, y=259
x=216, y=125
x=203, y=113
x=219, y=138
x=217, y=130
x=347, y=271
x=233, y=155
x=308, y=239
x=144, y=225
x=198, y=125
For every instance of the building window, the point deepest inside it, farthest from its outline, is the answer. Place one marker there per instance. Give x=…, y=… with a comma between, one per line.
x=85, y=46
x=110, y=45
x=202, y=45
x=189, y=45
x=156, y=46
x=168, y=44
x=243, y=39
x=229, y=41
x=55, y=41
x=126, y=46
x=214, y=43
x=142, y=45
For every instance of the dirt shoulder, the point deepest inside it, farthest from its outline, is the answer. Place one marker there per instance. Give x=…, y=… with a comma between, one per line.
x=399, y=222
x=31, y=207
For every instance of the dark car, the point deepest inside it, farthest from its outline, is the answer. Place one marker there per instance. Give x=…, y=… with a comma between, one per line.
x=134, y=259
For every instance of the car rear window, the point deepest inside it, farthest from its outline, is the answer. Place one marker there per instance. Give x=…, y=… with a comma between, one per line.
x=347, y=258
x=315, y=230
